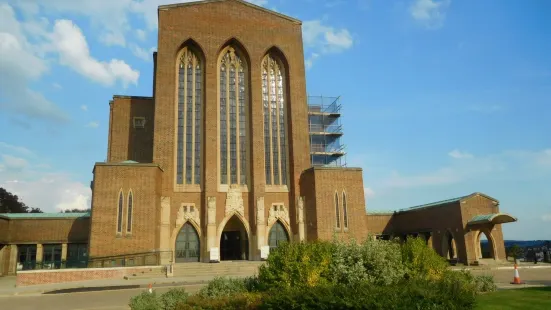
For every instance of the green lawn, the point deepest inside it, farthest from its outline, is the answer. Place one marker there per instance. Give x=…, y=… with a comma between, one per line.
x=524, y=298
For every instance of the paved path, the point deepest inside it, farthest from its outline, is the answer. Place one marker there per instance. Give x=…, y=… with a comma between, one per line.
x=532, y=276
x=104, y=300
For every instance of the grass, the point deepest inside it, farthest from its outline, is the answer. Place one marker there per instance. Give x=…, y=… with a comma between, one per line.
x=525, y=298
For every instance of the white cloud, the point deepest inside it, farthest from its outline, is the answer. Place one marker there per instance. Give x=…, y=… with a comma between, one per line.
x=460, y=155
x=326, y=38
x=142, y=53
x=509, y=164
x=368, y=192
x=546, y=217
x=92, y=125
x=5, y=147
x=141, y=34
x=22, y=63
x=323, y=39
x=84, y=107
x=13, y=163
x=430, y=13
x=36, y=185
x=56, y=86
x=73, y=52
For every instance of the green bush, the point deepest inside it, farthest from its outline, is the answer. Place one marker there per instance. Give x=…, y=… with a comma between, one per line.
x=241, y=301
x=145, y=301
x=297, y=264
x=422, y=261
x=485, y=283
x=172, y=298
x=374, y=261
x=223, y=286
x=412, y=294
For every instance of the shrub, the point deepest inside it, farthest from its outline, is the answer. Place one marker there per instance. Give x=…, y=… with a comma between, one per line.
x=145, y=301
x=241, y=301
x=223, y=286
x=172, y=298
x=374, y=261
x=412, y=294
x=422, y=261
x=485, y=283
x=297, y=264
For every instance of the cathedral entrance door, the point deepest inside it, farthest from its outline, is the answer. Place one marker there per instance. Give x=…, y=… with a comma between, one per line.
x=278, y=234
x=234, y=243
x=187, y=244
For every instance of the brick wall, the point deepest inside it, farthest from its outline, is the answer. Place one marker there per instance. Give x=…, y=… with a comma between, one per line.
x=379, y=223
x=42, y=230
x=37, y=277
x=327, y=182
x=126, y=142
x=4, y=230
x=109, y=179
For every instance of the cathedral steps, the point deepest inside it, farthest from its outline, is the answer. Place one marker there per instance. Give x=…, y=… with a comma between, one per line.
x=237, y=268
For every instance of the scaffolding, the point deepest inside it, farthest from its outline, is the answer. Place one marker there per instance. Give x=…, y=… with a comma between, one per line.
x=324, y=116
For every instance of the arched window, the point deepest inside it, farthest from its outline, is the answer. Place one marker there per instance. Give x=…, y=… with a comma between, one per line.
x=234, y=105
x=337, y=211
x=119, y=213
x=344, y=210
x=129, y=210
x=274, y=102
x=190, y=107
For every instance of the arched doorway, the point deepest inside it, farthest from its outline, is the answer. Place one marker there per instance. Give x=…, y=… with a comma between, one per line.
x=449, y=248
x=187, y=245
x=484, y=246
x=278, y=234
x=234, y=243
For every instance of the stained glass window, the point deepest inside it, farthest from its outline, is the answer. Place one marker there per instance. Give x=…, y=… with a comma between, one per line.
x=275, y=140
x=233, y=119
x=119, y=217
x=190, y=108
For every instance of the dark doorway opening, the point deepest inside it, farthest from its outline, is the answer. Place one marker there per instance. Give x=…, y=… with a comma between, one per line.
x=234, y=243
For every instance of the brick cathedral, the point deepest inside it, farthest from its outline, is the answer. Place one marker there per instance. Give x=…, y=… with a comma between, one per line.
x=218, y=164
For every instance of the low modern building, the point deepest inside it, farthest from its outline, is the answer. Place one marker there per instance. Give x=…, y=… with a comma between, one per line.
x=227, y=159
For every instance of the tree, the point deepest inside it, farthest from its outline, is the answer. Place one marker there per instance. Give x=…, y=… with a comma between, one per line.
x=515, y=252
x=10, y=203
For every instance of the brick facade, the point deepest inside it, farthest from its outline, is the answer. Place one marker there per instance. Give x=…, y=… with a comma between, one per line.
x=142, y=160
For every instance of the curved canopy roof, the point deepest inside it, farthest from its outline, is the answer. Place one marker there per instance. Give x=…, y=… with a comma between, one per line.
x=494, y=218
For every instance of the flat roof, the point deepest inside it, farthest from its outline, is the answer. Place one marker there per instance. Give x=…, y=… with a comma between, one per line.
x=44, y=215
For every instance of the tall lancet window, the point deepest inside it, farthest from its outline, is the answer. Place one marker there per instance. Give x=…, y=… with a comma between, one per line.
x=190, y=105
x=119, y=213
x=275, y=140
x=233, y=118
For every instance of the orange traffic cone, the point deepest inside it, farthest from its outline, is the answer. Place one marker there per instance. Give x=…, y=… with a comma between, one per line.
x=150, y=288
x=516, y=279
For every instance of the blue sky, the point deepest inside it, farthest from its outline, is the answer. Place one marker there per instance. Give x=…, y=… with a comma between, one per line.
x=441, y=98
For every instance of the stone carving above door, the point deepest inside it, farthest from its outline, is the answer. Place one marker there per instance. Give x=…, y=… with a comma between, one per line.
x=278, y=212
x=188, y=211
x=234, y=200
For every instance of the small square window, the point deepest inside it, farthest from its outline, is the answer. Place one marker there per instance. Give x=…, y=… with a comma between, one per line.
x=139, y=122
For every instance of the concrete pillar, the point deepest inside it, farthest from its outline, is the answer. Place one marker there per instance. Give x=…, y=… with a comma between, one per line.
x=300, y=217
x=211, y=226
x=64, y=252
x=39, y=253
x=164, y=242
x=12, y=265
x=260, y=226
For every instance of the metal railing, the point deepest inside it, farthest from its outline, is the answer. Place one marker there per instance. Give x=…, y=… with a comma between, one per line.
x=57, y=264
x=326, y=148
x=321, y=104
x=325, y=128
